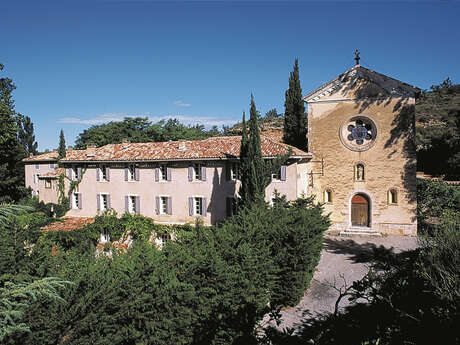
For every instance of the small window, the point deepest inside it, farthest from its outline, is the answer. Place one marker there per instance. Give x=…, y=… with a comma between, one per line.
x=197, y=172
x=163, y=205
x=359, y=172
x=235, y=171
x=328, y=196
x=76, y=201
x=276, y=176
x=103, y=173
x=132, y=204
x=131, y=172
x=37, y=166
x=164, y=238
x=48, y=184
x=51, y=165
x=104, y=202
x=392, y=196
x=198, y=206
x=163, y=172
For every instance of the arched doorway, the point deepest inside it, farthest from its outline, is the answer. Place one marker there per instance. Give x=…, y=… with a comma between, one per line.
x=360, y=210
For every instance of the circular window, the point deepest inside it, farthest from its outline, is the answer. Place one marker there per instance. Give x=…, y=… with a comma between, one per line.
x=358, y=133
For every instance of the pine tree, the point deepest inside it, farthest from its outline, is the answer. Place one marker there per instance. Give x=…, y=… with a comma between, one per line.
x=295, y=119
x=11, y=172
x=61, y=149
x=26, y=135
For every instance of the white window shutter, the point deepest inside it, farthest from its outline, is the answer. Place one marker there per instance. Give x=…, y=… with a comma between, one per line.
x=98, y=201
x=283, y=173
x=190, y=173
x=107, y=173
x=157, y=174
x=138, y=204
x=203, y=173
x=190, y=206
x=157, y=205
x=168, y=174
x=169, y=206
x=203, y=207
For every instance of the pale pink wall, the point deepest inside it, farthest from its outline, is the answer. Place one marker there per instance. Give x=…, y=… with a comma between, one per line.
x=30, y=171
x=215, y=189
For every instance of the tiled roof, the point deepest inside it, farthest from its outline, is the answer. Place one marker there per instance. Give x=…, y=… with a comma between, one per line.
x=48, y=156
x=52, y=174
x=68, y=224
x=211, y=148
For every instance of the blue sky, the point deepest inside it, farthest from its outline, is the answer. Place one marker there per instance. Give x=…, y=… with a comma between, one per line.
x=78, y=63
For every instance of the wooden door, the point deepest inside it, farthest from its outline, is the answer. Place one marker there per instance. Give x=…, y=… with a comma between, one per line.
x=359, y=211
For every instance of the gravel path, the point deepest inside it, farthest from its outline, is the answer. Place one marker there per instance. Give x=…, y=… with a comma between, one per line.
x=343, y=258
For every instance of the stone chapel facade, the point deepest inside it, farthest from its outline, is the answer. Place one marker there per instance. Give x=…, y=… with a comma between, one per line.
x=360, y=163
x=361, y=131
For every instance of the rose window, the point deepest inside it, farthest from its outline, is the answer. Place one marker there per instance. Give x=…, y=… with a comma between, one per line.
x=358, y=133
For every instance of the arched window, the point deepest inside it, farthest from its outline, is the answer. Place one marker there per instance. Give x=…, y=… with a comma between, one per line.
x=359, y=172
x=393, y=196
x=328, y=195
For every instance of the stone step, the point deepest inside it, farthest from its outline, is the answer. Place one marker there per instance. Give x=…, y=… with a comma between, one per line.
x=360, y=233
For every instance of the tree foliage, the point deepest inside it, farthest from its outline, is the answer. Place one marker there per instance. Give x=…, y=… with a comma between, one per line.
x=295, y=118
x=211, y=285
x=140, y=129
x=438, y=130
x=11, y=170
x=61, y=147
x=26, y=135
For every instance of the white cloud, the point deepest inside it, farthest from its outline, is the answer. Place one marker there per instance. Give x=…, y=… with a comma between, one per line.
x=207, y=121
x=179, y=103
x=103, y=118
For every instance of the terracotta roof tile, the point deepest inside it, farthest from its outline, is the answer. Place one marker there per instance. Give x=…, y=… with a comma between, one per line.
x=68, y=224
x=215, y=147
x=52, y=174
x=48, y=156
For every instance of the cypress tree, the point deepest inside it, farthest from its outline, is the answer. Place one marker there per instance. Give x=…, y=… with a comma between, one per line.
x=61, y=149
x=256, y=185
x=244, y=163
x=255, y=173
x=295, y=119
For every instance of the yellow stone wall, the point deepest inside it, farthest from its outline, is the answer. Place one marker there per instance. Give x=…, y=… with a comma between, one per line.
x=389, y=163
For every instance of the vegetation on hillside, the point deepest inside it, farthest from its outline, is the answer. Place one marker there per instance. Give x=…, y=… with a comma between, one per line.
x=438, y=130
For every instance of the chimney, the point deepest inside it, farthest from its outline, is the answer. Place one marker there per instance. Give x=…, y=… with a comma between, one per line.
x=69, y=148
x=31, y=154
x=182, y=146
x=125, y=141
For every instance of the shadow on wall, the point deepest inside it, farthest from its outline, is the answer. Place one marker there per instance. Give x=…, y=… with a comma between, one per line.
x=221, y=189
x=368, y=94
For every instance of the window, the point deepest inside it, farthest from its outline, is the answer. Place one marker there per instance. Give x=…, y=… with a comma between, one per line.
x=164, y=238
x=103, y=172
x=105, y=236
x=197, y=206
x=280, y=175
x=103, y=202
x=235, y=171
x=393, y=197
x=163, y=205
x=51, y=165
x=359, y=172
x=76, y=201
x=163, y=172
x=132, y=204
x=48, y=184
x=37, y=166
x=197, y=172
x=131, y=172
x=328, y=196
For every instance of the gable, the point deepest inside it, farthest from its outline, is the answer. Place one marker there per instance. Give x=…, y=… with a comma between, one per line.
x=361, y=83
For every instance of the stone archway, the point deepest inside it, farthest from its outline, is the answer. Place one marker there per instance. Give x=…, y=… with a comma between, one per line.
x=360, y=210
